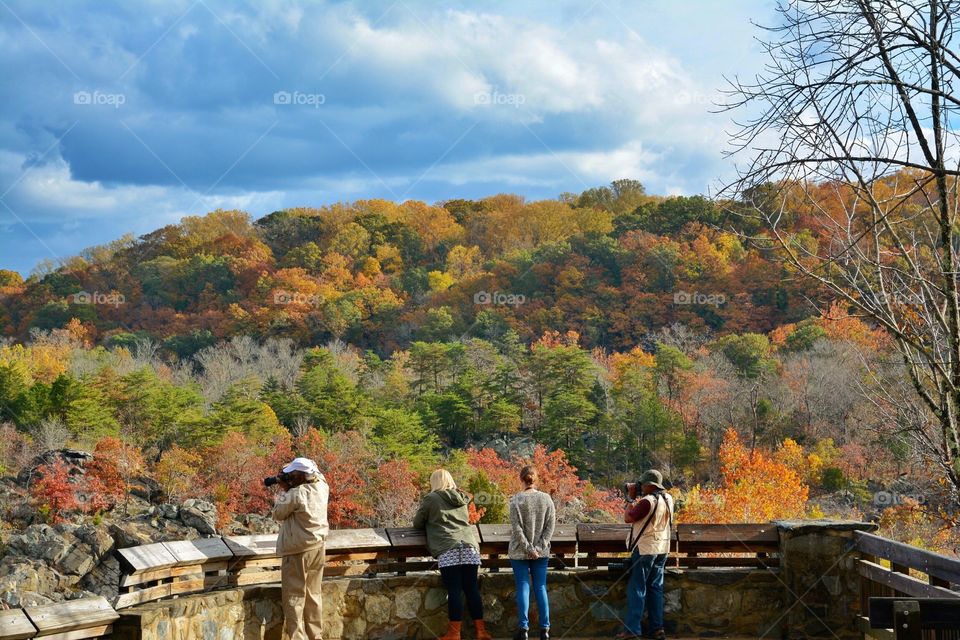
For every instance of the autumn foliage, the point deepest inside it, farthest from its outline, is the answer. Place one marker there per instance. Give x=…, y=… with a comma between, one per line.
x=754, y=487
x=53, y=494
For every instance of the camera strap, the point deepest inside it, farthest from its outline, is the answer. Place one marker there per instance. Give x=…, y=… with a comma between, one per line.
x=653, y=512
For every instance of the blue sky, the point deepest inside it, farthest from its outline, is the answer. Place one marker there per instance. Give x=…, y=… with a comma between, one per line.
x=123, y=117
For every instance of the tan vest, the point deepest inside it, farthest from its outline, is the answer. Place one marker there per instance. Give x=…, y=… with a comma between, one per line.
x=655, y=539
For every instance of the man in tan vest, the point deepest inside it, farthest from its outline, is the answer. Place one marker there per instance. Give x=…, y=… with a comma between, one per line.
x=651, y=517
x=301, y=511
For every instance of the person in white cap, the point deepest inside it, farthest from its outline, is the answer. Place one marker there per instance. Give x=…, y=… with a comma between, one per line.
x=301, y=511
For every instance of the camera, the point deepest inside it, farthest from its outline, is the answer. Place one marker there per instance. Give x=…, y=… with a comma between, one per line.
x=630, y=490
x=272, y=480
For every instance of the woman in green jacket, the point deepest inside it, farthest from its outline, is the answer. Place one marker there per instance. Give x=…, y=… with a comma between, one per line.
x=452, y=540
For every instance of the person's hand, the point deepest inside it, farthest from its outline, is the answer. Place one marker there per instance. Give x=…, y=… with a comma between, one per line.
x=283, y=484
x=533, y=555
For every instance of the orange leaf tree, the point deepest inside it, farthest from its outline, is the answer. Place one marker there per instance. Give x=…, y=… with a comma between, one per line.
x=754, y=487
x=53, y=493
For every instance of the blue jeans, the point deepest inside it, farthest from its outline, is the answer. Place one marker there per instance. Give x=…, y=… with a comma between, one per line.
x=523, y=571
x=645, y=587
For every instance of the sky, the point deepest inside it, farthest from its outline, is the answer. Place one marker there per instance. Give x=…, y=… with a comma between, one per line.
x=121, y=117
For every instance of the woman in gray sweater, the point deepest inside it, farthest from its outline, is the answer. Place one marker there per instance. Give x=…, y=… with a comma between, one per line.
x=532, y=520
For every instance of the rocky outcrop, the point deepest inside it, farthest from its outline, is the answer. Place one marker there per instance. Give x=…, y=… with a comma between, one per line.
x=44, y=563
x=74, y=459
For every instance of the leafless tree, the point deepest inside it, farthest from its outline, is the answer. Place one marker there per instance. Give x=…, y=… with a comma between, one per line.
x=243, y=358
x=818, y=387
x=50, y=434
x=852, y=123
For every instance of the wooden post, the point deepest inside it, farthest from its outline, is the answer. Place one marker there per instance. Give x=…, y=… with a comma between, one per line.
x=906, y=620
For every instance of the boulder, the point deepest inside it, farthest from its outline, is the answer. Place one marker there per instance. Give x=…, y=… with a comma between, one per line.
x=168, y=511
x=147, y=489
x=130, y=534
x=104, y=579
x=97, y=538
x=200, y=515
x=253, y=524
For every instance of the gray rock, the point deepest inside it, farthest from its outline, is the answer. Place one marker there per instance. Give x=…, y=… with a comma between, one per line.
x=20, y=599
x=408, y=603
x=29, y=575
x=130, y=534
x=147, y=489
x=77, y=562
x=43, y=541
x=104, y=579
x=200, y=515
x=97, y=538
x=168, y=511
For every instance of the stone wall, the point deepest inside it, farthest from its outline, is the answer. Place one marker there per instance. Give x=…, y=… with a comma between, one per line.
x=820, y=578
x=708, y=602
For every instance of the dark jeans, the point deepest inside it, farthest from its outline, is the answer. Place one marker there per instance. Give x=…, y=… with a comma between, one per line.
x=462, y=577
x=645, y=588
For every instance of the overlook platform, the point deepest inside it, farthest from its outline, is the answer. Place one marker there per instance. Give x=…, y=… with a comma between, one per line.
x=804, y=579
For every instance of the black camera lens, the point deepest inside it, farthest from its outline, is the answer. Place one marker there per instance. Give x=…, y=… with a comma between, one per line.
x=269, y=482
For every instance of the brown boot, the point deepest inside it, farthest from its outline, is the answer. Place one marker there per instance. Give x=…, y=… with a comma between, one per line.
x=453, y=631
x=482, y=633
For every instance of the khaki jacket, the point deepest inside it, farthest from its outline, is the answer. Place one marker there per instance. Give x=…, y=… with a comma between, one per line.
x=302, y=514
x=656, y=536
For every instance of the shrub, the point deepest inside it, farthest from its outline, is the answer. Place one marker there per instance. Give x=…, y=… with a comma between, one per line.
x=53, y=494
x=833, y=479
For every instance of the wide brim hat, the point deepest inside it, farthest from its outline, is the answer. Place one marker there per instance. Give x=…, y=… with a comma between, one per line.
x=652, y=477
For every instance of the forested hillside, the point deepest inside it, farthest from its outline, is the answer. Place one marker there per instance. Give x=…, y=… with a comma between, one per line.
x=379, y=275
x=616, y=329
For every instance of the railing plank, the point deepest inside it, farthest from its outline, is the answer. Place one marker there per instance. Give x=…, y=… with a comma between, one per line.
x=15, y=625
x=100, y=631
x=71, y=615
x=357, y=540
x=407, y=541
x=147, y=556
x=898, y=553
x=746, y=534
x=494, y=533
x=263, y=545
x=901, y=582
x=188, y=552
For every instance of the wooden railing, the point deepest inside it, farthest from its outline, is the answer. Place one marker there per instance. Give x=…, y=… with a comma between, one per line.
x=155, y=571
x=890, y=569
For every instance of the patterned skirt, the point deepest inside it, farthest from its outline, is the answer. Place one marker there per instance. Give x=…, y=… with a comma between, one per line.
x=461, y=554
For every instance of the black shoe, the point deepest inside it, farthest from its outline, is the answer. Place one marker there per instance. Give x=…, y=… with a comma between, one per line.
x=521, y=634
x=545, y=633
x=659, y=634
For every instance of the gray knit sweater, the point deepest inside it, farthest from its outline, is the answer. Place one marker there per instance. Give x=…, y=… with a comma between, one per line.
x=532, y=520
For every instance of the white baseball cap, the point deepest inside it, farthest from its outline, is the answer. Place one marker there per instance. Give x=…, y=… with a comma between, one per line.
x=306, y=465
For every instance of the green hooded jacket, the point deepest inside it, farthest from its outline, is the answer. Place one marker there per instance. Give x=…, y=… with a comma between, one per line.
x=444, y=516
